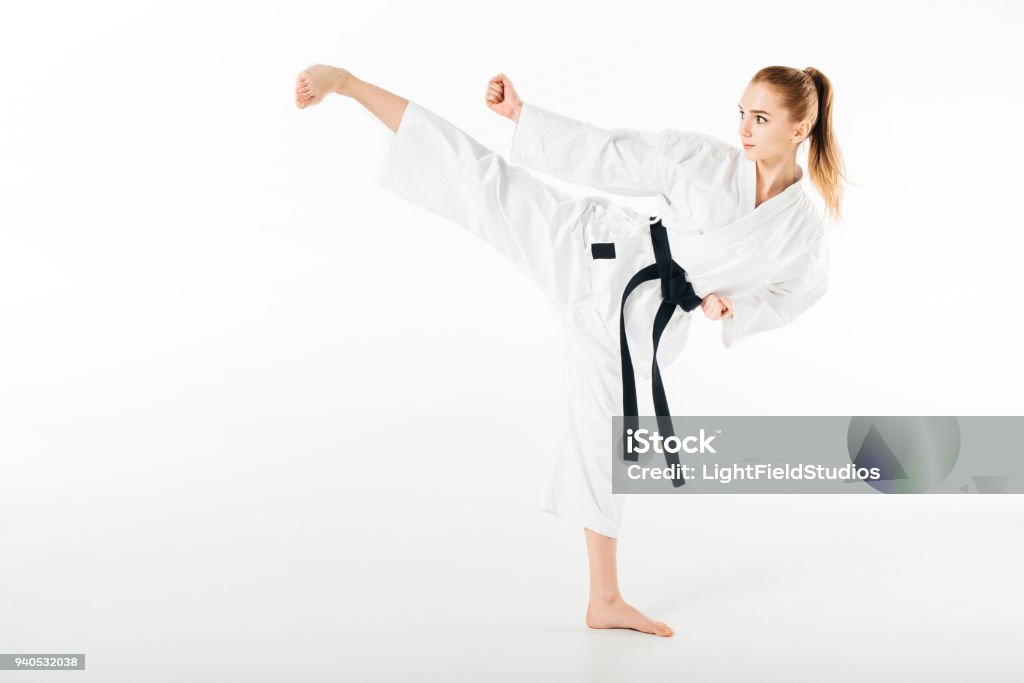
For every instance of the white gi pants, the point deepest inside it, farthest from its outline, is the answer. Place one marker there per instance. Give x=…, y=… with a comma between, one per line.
x=547, y=234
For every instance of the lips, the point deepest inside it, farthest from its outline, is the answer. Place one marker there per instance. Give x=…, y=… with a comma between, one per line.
x=746, y=146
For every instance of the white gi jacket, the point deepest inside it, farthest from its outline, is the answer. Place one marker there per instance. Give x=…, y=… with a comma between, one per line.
x=772, y=262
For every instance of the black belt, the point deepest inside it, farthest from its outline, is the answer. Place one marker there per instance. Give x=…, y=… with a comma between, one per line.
x=676, y=290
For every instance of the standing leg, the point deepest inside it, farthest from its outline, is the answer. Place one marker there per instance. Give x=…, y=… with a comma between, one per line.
x=581, y=488
x=537, y=227
x=606, y=608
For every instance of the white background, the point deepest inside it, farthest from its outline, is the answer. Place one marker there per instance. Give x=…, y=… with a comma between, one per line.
x=244, y=391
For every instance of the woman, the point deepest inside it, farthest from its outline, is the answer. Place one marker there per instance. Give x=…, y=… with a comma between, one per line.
x=751, y=249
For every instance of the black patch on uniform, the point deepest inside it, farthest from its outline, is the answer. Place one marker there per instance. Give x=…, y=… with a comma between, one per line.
x=603, y=249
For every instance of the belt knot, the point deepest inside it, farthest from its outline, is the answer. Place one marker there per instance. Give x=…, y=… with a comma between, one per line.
x=676, y=289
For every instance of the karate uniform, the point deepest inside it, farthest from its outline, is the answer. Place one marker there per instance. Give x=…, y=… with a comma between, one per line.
x=771, y=262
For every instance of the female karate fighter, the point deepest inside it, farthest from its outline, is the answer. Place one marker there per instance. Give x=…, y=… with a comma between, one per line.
x=733, y=233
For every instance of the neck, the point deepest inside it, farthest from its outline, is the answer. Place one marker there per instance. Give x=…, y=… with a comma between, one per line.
x=774, y=176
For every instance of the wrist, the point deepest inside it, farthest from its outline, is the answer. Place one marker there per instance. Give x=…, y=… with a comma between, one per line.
x=515, y=112
x=343, y=82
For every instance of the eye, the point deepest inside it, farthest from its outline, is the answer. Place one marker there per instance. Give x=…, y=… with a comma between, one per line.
x=759, y=118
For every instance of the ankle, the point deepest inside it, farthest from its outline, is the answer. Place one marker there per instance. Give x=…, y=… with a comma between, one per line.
x=605, y=599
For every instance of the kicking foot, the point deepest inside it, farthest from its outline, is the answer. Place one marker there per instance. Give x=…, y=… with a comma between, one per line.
x=317, y=82
x=618, y=613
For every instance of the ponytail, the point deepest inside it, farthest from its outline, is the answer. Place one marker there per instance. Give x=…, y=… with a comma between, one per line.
x=807, y=94
x=824, y=159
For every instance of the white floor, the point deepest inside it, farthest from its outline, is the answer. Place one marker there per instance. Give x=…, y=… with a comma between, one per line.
x=758, y=588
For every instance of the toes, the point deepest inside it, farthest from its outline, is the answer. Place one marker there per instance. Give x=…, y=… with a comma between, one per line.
x=662, y=629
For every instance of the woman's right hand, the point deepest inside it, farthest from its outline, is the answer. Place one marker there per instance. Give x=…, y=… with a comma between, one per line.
x=502, y=98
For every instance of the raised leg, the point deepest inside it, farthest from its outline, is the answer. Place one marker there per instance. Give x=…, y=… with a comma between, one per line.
x=320, y=80
x=436, y=165
x=534, y=225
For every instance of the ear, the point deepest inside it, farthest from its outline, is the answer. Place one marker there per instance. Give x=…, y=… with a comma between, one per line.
x=803, y=130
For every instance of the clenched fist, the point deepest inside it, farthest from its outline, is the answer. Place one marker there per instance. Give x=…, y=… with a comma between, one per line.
x=716, y=307
x=502, y=98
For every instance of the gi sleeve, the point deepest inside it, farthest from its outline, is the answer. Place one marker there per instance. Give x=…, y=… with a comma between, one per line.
x=781, y=300
x=620, y=160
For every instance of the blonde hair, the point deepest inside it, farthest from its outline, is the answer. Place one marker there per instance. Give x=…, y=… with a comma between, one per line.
x=807, y=94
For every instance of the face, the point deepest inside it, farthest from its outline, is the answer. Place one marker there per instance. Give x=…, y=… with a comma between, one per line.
x=766, y=129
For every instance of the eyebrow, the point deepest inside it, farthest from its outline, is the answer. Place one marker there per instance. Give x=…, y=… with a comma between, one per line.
x=754, y=111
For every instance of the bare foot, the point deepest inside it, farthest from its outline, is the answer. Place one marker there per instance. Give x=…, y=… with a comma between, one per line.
x=317, y=82
x=618, y=613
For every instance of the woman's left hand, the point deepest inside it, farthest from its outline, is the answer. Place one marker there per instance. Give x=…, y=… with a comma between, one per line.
x=716, y=307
